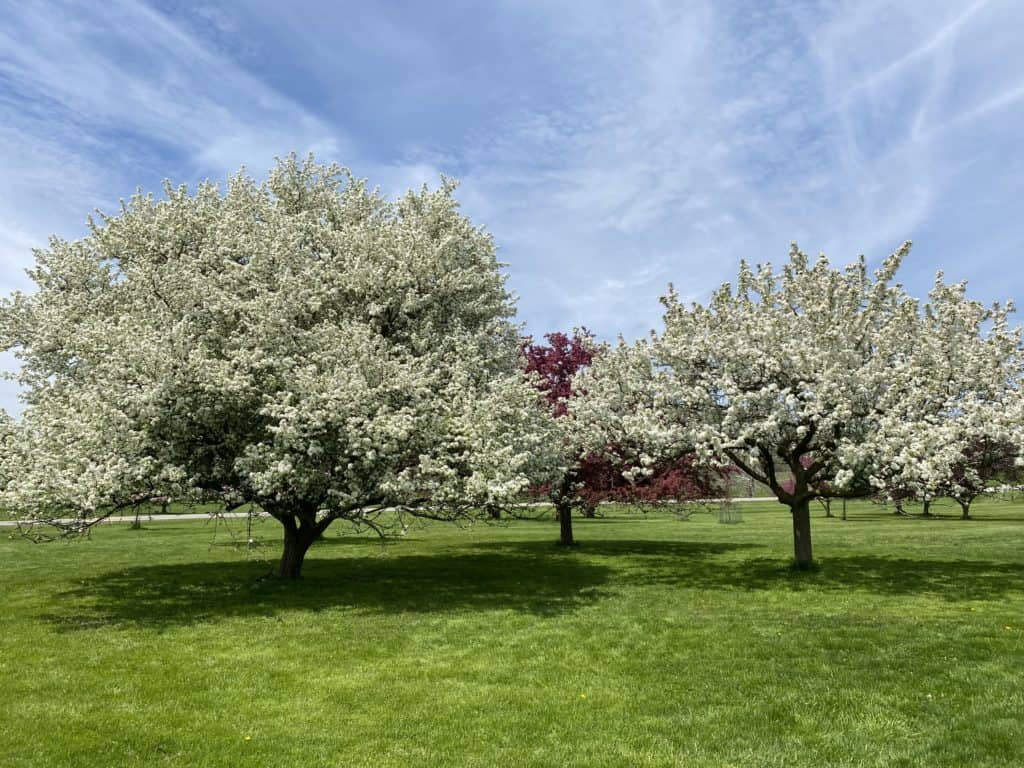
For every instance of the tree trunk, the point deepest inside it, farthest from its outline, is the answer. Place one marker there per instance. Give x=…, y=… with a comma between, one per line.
x=564, y=511
x=927, y=508
x=844, y=509
x=965, y=509
x=297, y=541
x=590, y=510
x=827, y=503
x=802, y=533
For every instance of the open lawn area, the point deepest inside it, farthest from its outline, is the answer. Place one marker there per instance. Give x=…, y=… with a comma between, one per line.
x=656, y=642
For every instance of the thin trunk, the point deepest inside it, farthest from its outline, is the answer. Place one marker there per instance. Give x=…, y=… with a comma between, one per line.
x=965, y=509
x=927, y=508
x=844, y=509
x=802, y=533
x=297, y=540
x=827, y=503
x=564, y=511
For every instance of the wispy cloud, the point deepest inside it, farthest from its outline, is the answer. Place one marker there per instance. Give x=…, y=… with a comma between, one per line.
x=698, y=136
x=611, y=148
x=94, y=102
x=124, y=68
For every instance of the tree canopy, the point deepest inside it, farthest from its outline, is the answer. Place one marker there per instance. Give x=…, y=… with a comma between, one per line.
x=300, y=343
x=818, y=382
x=306, y=345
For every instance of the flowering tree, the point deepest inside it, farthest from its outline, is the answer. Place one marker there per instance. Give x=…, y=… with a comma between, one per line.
x=8, y=442
x=973, y=359
x=613, y=474
x=598, y=469
x=302, y=343
x=826, y=376
x=557, y=362
x=984, y=461
x=553, y=366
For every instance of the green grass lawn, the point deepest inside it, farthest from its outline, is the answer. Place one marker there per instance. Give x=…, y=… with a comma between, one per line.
x=657, y=642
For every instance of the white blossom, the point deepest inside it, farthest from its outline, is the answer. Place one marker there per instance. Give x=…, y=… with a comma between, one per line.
x=301, y=343
x=834, y=378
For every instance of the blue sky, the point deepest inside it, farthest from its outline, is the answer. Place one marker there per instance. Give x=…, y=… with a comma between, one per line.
x=609, y=147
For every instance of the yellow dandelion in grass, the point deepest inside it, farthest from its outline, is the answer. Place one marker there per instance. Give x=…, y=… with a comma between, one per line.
x=583, y=695
x=248, y=738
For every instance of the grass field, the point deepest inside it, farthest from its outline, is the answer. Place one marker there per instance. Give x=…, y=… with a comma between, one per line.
x=657, y=642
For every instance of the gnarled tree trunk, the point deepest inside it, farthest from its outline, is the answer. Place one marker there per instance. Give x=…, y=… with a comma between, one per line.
x=299, y=535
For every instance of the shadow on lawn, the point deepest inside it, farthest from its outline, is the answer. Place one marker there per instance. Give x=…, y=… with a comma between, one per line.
x=189, y=593
x=686, y=564
x=534, y=577
x=952, y=580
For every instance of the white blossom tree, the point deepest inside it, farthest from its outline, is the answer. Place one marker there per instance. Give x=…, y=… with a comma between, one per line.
x=302, y=343
x=815, y=381
x=969, y=360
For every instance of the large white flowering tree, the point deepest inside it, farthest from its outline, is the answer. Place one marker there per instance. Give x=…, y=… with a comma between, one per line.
x=302, y=343
x=968, y=370
x=817, y=382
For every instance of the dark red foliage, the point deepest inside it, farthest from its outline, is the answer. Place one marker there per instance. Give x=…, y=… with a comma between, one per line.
x=599, y=477
x=679, y=480
x=557, y=362
x=990, y=459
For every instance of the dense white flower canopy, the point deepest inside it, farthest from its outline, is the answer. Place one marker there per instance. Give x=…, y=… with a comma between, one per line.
x=845, y=370
x=817, y=381
x=302, y=343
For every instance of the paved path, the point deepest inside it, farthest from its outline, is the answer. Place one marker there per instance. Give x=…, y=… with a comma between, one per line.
x=145, y=518
x=235, y=515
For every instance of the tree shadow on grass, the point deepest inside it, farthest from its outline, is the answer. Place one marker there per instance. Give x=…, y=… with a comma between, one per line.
x=169, y=595
x=648, y=549
x=699, y=566
x=533, y=577
x=951, y=580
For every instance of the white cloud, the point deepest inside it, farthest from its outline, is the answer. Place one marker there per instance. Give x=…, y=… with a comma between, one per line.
x=610, y=148
x=701, y=135
x=96, y=99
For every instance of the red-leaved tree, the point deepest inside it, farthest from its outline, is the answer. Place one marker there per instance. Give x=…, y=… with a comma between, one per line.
x=591, y=477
